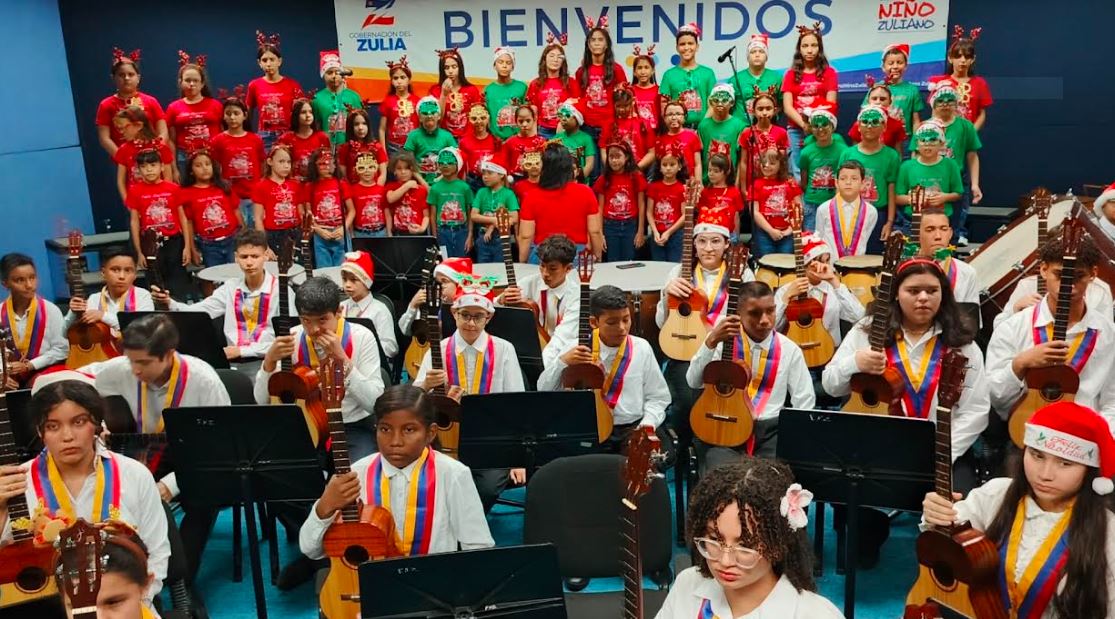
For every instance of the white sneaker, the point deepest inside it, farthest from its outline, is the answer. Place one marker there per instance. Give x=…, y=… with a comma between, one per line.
x=962, y=241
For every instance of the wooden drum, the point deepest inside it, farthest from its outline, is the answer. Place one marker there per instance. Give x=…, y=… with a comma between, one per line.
x=861, y=275
x=643, y=282
x=776, y=270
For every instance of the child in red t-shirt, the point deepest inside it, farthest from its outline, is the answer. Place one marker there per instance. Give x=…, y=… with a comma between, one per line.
x=367, y=199
x=761, y=137
x=773, y=196
x=152, y=205
x=526, y=141
x=682, y=141
x=597, y=77
x=210, y=211
x=136, y=134
x=272, y=95
x=621, y=190
x=664, y=199
x=478, y=145
x=305, y=137
x=629, y=127
x=894, y=134
x=648, y=99
x=125, y=74
x=194, y=119
x=326, y=196
x=398, y=113
x=973, y=92
x=531, y=163
x=276, y=206
x=359, y=140
x=239, y=152
x=809, y=80
x=454, y=92
x=406, y=197
x=721, y=201
x=552, y=87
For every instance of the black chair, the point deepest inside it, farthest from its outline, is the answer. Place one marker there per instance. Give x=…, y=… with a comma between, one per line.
x=184, y=601
x=238, y=385
x=575, y=504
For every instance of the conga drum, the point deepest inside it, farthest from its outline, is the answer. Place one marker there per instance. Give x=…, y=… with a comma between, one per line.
x=642, y=281
x=776, y=270
x=860, y=274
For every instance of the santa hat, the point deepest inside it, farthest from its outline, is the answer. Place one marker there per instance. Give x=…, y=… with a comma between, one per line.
x=690, y=28
x=759, y=40
x=455, y=268
x=569, y=106
x=813, y=247
x=1078, y=434
x=475, y=291
x=902, y=48
x=429, y=105
x=329, y=59
x=872, y=112
x=444, y=154
x=823, y=109
x=724, y=89
x=489, y=165
x=359, y=264
x=503, y=51
x=929, y=131
x=57, y=376
x=705, y=225
x=944, y=92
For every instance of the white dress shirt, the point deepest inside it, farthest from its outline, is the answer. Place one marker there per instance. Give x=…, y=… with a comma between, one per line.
x=644, y=397
x=825, y=229
x=839, y=302
x=458, y=514
x=691, y=591
x=792, y=376
x=140, y=507
x=1016, y=334
x=55, y=348
x=363, y=383
x=223, y=301
x=710, y=291
x=969, y=417
x=562, y=308
x=1097, y=296
x=1105, y=224
x=373, y=309
x=966, y=288
x=506, y=372
x=203, y=388
x=112, y=307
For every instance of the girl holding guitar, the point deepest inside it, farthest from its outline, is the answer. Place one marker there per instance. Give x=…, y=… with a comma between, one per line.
x=116, y=584
x=751, y=555
x=1051, y=519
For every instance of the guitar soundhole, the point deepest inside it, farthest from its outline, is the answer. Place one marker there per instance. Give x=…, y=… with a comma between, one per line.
x=724, y=389
x=870, y=398
x=356, y=555
x=31, y=579
x=805, y=320
x=684, y=309
x=944, y=576
x=443, y=421
x=1051, y=393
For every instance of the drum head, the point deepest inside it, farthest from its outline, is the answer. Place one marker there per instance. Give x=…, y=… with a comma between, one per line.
x=865, y=262
x=778, y=262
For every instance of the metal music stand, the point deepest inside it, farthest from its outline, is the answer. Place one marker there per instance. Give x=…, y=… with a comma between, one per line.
x=241, y=455
x=197, y=336
x=517, y=582
x=398, y=262
x=526, y=428
x=516, y=325
x=850, y=459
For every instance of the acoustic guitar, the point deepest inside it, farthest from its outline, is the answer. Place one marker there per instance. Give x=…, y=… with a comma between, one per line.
x=874, y=394
x=80, y=566
x=448, y=410
x=291, y=384
x=89, y=343
x=685, y=328
x=503, y=226
x=957, y=565
x=1056, y=383
x=1040, y=203
x=588, y=375
x=644, y=453
x=360, y=533
x=416, y=350
x=151, y=242
x=306, y=244
x=25, y=566
x=722, y=414
x=804, y=314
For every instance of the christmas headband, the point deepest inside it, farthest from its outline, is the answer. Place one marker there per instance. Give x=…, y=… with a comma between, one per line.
x=912, y=261
x=624, y=87
x=769, y=92
x=194, y=151
x=815, y=30
x=184, y=59
x=143, y=145
x=690, y=28
x=119, y=56
x=638, y=51
x=562, y=39
x=871, y=83
x=452, y=52
x=973, y=34
x=237, y=94
x=276, y=147
x=601, y=24
x=263, y=40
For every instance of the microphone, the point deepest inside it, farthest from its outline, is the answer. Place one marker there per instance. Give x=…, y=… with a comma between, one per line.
x=724, y=56
x=346, y=72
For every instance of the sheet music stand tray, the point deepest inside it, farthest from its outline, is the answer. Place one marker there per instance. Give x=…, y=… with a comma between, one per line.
x=516, y=325
x=398, y=264
x=526, y=428
x=197, y=336
x=843, y=458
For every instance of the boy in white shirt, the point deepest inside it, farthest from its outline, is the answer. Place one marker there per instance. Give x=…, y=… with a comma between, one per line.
x=846, y=221
x=556, y=293
x=35, y=323
x=936, y=235
x=357, y=273
x=820, y=283
x=120, y=294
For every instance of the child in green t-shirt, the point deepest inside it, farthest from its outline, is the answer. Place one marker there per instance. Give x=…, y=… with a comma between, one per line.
x=755, y=76
x=451, y=199
x=494, y=195
x=880, y=163
x=579, y=143
x=428, y=140
x=502, y=96
x=962, y=144
x=819, y=161
x=688, y=81
x=720, y=131
x=905, y=96
x=938, y=175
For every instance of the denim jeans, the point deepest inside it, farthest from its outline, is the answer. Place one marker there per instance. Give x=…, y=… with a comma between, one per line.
x=547, y=133
x=217, y=252
x=959, y=219
x=901, y=222
x=762, y=244
x=268, y=138
x=533, y=258
x=875, y=246
x=796, y=136
x=487, y=251
x=246, y=211
x=182, y=159
x=453, y=238
x=670, y=252
x=328, y=253
x=357, y=233
x=809, y=219
x=619, y=236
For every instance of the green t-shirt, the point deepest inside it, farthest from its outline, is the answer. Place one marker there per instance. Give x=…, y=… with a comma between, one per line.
x=941, y=177
x=906, y=97
x=331, y=111
x=836, y=138
x=692, y=86
x=720, y=137
x=819, y=166
x=451, y=201
x=747, y=81
x=961, y=138
x=488, y=201
x=497, y=98
x=426, y=146
x=882, y=170
x=580, y=145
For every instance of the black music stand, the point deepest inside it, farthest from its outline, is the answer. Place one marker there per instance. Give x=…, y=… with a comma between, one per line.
x=517, y=582
x=526, y=428
x=398, y=263
x=241, y=455
x=197, y=336
x=516, y=325
x=849, y=458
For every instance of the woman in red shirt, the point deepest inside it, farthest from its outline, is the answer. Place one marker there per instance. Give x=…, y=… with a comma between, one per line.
x=454, y=92
x=975, y=95
x=125, y=74
x=194, y=119
x=273, y=95
x=552, y=86
x=809, y=79
x=559, y=205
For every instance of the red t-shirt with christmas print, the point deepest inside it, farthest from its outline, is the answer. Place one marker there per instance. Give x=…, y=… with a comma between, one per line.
x=401, y=114
x=211, y=211
x=194, y=124
x=648, y=102
x=301, y=148
x=280, y=203
x=476, y=151
x=410, y=209
x=598, y=97
x=369, y=202
x=273, y=101
x=621, y=194
x=548, y=95
x=720, y=205
x=126, y=156
x=689, y=143
x=775, y=199
x=110, y=105
x=665, y=201
x=326, y=198
x=156, y=205
x=514, y=148
x=633, y=130
x=454, y=113
x=241, y=159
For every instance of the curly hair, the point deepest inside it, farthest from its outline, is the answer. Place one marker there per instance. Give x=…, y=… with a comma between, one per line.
x=756, y=486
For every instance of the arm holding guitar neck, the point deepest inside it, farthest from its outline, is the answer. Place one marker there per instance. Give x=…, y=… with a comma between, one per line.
x=980, y=506
x=550, y=379
x=969, y=417
x=312, y=533
x=1004, y=385
x=834, y=379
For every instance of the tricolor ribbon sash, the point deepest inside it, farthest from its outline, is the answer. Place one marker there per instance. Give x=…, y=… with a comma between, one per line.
x=30, y=342
x=176, y=388
x=544, y=309
x=54, y=497
x=482, y=369
x=921, y=382
x=719, y=300
x=418, y=525
x=843, y=230
x=307, y=353
x=1080, y=349
x=126, y=303
x=1030, y=595
x=762, y=377
x=613, y=382
x=251, y=319
x=706, y=611
x=949, y=266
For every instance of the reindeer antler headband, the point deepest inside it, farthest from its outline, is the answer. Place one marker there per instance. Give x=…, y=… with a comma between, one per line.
x=118, y=55
x=562, y=38
x=602, y=23
x=973, y=34
x=184, y=59
x=814, y=30
x=263, y=40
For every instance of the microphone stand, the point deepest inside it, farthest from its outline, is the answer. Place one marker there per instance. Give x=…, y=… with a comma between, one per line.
x=751, y=137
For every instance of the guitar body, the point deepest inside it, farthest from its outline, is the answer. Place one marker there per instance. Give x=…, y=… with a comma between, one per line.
x=590, y=376
x=1044, y=386
x=90, y=343
x=959, y=571
x=348, y=545
x=27, y=573
x=807, y=329
x=300, y=386
x=416, y=351
x=685, y=328
x=872, y=394
x=448, y=426
x=722, y=415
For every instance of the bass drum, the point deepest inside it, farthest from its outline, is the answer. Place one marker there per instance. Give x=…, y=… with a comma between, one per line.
x=861, y=275
x=776, y=270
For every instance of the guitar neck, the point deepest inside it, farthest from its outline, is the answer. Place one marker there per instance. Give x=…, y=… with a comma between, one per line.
x=433, y=336
x=687, y=246
x=17, y=505
x=915, y=227
x=942, y=478
x=1064, y=298
x=508, y=261
x=631, y=566
x=1043, y=237
x=729, y=351
x=877, y=337
x=341, y=462
x=584, y=329
x=307, y=258
x=73, y=269
x=285, y=364
x=799, y=257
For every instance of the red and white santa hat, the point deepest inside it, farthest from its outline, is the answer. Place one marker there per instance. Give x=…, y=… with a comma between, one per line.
x=49, y=377
x=707, y=226
x=759, y=40
x=329, y=59
x=813, y=247
x=456, y=153
x=903, y=48
x=825, y=109
x=491, y=165
x=569, y=106
x=503, y=51
x=475, y=291
x=455, y=268
x=1078, y=434
x=359, y=264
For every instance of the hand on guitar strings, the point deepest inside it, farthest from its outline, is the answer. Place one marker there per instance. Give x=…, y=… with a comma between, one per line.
x=13, y=483
x=679, y=287
x=434, y=378
x=871, y=361
x=724, y=330
x=577, y=355
x=88, y=316
x=455, y=392
x=938, y=510
x=341, y=491
x=1040, y=356
x=418, y=299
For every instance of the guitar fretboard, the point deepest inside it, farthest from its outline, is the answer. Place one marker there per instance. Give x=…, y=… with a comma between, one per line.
x=433, y=336
x=508, y=260
x=799, y=258
x=584, y=329
x=877, y=337
x=341, y=462
x=17, y=505
x=734, y=284
x=631, y=566
x=942, y=482
x=73, y=268
x=1043, y=237
x=687, y=246
x=282, y=329
x=1064, y=297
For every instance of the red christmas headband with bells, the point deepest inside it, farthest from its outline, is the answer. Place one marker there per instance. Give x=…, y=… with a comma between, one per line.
x=453, y=52
x=973, y=34
x=602, y=24
x=638, y=50
x=562, y=38
x=398, y=64
x=118, y=55
x=184, y=59
x=870, y=81
x=814, y=30
x=263, y=40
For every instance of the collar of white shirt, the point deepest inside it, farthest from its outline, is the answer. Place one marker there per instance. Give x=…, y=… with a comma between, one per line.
x=1090, y=320
x=362, y=305
x=391, y=470
x=924, y=337
x=480, y=345
x=267, y=286
x=782, y=601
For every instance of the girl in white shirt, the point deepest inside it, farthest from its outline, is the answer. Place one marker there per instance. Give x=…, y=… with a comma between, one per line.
x=751, y=555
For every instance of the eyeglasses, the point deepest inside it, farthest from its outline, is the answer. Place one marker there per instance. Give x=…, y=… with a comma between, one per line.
x=871, y=122
x=714, y=550
x=710, y=243
x=473, y=318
